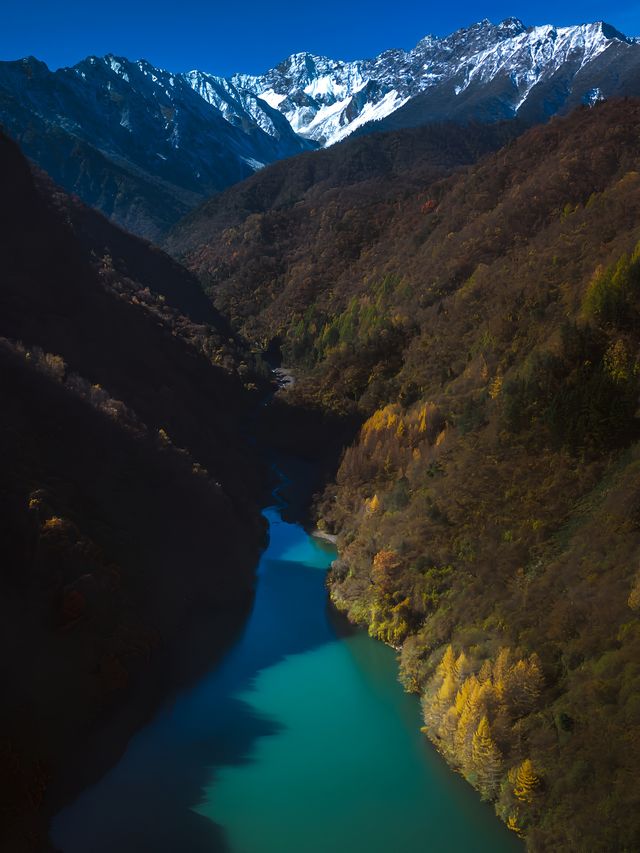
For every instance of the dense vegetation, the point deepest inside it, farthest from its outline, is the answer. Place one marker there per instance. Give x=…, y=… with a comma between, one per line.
x=485, y=329
x=128, y=498
x=291, y=236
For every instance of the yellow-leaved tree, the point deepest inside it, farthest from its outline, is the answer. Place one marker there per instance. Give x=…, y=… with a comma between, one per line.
x=373, y=505
x=525, y=780
x=486, y=759
x=634, y=596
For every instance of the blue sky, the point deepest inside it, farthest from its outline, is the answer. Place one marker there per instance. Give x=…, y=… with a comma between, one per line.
x=252, y=36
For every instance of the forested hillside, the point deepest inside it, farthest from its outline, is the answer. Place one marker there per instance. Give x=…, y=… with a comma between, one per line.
x=485, y=328
x=129, y=499
x=292, y=235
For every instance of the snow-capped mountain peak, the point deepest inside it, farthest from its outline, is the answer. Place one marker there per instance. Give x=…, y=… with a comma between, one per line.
x=147, y=143
x=196, y=132
x=325, y=100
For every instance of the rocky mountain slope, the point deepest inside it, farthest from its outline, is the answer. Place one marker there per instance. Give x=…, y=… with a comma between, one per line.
x=268, y=247
x=136, y=141
x=486, y=72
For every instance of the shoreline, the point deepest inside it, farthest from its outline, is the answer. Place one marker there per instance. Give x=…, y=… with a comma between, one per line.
x=328, y=537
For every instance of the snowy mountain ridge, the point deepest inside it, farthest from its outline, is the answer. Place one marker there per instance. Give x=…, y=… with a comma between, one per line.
x=145, y=145
x=326, y=100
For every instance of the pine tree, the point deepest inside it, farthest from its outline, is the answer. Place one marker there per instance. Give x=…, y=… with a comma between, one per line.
x=473, y=711
x=535, y=680
x=501, y=670
x=465, y=692
x=422, y=419
x=447, y=690
x=523, y=685
x=485, y=673
x=449, y=724
x=436, y=704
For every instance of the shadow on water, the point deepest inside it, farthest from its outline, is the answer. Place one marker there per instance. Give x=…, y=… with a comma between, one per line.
x=147, y=802
x=299, y=741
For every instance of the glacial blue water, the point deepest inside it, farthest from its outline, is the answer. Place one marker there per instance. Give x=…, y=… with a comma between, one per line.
x=300, y=741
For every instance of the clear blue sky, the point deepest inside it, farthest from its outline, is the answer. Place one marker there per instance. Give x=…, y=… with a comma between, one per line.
x=253, y=36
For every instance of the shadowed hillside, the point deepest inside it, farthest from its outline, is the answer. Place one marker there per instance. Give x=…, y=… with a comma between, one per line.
x=135, y=141
x=129, y=498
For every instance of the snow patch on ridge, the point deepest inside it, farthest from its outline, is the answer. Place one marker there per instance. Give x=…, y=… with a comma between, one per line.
x=272, y=98
x=391, y=102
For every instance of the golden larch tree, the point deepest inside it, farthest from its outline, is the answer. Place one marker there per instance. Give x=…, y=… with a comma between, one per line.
x=525, y=780
x=486, y=758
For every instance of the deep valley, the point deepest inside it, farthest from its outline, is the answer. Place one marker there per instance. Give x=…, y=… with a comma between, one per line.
x=454, y=294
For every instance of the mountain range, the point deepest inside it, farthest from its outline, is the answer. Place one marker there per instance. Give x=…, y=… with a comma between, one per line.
x=146, y=145
x=486, y=71
x=137, y=142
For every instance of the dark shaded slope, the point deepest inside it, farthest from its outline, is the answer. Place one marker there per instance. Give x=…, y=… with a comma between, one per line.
x=133, y=140
x=129, y=520
x=137, y=201
x=63, y=292
x=135, y=259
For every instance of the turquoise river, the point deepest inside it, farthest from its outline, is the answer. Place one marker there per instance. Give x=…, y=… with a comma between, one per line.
x=301, y=740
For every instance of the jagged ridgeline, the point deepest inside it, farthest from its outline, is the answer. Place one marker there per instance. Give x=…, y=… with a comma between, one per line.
x=128, y=498
x=141, y=144
x=484, y=327
x=146, y=145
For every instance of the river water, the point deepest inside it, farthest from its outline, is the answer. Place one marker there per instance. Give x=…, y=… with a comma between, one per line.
x=300, y=741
